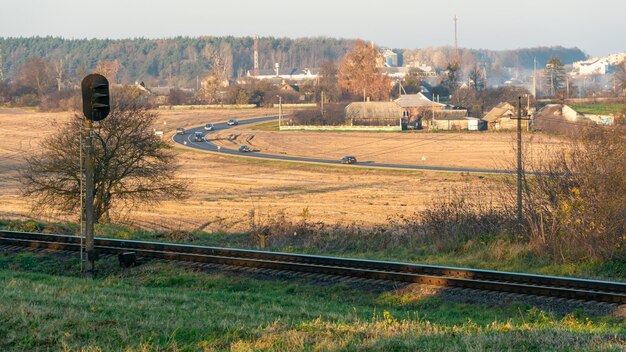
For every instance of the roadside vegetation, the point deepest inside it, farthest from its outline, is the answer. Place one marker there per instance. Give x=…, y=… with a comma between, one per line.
x=156, y=306
x=599, y=109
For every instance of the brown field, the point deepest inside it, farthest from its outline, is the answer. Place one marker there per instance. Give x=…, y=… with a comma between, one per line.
x=225, y=189
x=484, y=150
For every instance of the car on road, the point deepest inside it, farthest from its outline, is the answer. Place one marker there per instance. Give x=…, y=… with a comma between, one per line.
x=180, y=130
x=198, y=137
x=244, y=149
x=232, y=122
x=348, y=159
x=209, y=127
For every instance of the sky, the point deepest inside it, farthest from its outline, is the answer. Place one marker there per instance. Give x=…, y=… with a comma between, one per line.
x=597, y=27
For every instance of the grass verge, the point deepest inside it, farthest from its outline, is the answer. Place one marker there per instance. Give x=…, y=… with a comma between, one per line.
x=599, y=109
x=491, y=253
x=47, y=306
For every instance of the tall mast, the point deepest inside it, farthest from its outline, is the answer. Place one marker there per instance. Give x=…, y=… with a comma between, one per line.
x=256, y=55
x=456, y=42
x=535, y=78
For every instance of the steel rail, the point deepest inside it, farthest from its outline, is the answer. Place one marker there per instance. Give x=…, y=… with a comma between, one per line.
x=569, y=288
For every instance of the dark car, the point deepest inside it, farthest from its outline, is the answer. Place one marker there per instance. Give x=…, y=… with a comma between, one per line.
x=198, y=137
x=244, y=149
x=348, y=159
x=232, y=122
x=209, y=127
x=180, y=130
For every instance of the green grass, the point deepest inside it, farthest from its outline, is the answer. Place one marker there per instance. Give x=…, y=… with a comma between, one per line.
x=599, y=109
x=266, y=126
x=493, y=253
x=46, y=305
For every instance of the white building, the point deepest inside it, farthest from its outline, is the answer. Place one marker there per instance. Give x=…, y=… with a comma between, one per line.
x=295, y=74
x=390, y=58
x=591, y=67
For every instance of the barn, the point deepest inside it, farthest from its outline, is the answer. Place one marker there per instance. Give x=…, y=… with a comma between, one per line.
x=378, y=113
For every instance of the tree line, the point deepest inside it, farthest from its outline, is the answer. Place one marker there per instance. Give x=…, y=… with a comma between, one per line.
x=179, y=61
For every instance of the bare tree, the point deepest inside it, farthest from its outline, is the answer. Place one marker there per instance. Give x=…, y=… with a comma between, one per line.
x=59, y=70
x=35, y=73
x=133, y=166
x=108, y=69
x=328, y=83
x=477, y=78
x=451, y=80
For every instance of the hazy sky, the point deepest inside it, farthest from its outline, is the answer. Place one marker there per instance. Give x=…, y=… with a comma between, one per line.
x=597, y=27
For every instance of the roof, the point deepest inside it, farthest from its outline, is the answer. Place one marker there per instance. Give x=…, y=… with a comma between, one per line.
x=288, y=71
x=499, y=111
x=452, y=115
x=416, y=101
x=559, y=111
x=373, y=110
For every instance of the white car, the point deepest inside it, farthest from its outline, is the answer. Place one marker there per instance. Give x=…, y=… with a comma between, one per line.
x=232, y=122
x=209, y=127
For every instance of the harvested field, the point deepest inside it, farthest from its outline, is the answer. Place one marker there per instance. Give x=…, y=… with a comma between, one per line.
x=455, y=149
x=225, y=189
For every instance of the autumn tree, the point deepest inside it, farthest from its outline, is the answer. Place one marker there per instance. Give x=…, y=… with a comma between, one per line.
x=36, y=74
x=555, y=75
x=360, y=76
x=133, y=166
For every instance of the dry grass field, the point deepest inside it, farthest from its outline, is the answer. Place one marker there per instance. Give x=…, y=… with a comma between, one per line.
x=485, y=150
x=225, y=189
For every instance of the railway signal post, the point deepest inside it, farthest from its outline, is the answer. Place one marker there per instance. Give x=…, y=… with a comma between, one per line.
x=95, y=92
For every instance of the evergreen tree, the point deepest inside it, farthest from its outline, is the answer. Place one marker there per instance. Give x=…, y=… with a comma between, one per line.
x=555, y=75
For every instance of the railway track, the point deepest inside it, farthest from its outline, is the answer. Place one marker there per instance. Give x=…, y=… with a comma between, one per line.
x=550, y=286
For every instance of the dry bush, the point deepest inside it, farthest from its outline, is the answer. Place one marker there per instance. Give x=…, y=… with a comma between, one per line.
x=465, y=215
x=333, y=116
x=448, y=225
x=575, y=206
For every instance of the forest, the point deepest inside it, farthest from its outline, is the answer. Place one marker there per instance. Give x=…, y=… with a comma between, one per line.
x=180, y=61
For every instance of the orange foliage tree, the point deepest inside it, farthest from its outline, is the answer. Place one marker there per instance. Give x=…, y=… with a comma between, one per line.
x=360, y=75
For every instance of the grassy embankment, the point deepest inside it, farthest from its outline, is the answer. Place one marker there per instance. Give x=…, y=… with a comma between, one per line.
x=599, y=109
x=489, y=252
x=46, y=305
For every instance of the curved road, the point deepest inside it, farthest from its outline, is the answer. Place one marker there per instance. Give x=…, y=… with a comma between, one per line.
x=187, y=140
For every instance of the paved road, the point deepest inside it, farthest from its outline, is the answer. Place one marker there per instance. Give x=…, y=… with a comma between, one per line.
x=187, y=139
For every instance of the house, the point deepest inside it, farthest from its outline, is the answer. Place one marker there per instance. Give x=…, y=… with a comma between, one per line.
x=595, y=66
x=390, y=58
x=293, y=74
x=457, y=121
x=379, y=113
x=503, y=117
x=558, y=118
x=414, y=106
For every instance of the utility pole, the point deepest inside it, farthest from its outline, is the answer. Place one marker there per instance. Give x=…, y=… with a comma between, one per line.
x=1, y=65
x=519, y=164
x=535, y=78
x=433, y=109
x=456, y=42
x=322, y=103
x=280, y=109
